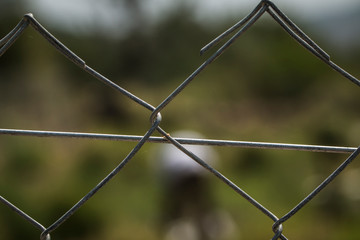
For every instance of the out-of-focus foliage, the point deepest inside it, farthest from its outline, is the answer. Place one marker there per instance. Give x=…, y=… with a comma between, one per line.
x=264, y=88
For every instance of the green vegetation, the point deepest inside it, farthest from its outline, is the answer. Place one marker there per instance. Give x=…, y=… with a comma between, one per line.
x=264, y=88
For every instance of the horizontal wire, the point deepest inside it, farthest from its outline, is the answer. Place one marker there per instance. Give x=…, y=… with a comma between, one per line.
x=189, y=141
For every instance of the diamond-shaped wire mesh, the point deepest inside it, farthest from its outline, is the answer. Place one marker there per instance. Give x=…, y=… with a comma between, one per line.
x=182, y=144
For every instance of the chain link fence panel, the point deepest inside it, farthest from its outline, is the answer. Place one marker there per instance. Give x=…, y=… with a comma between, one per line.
x=264, y=7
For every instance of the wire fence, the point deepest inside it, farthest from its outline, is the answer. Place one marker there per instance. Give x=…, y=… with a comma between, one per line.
x=264, y=6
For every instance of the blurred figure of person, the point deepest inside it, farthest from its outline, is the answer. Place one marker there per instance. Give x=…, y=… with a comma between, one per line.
x=188, y=207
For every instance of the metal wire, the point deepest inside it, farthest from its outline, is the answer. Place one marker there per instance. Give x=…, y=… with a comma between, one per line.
x=187, y=141
x=155, y=118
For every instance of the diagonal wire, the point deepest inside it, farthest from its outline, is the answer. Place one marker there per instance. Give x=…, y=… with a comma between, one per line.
x=112, y=174
x=228, y=182
x=297, y=34
x=294, y=31
x=316, y=191
x=254, y=18
x=11, y=37
x=29, y=19
x=232, y=29
x=24, y=215
x=217, y=174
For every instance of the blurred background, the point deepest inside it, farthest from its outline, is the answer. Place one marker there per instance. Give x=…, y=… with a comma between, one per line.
x=264, y=88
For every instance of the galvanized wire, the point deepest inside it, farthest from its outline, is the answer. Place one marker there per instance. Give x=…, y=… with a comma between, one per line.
x=155, y=118
x=187, y=141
